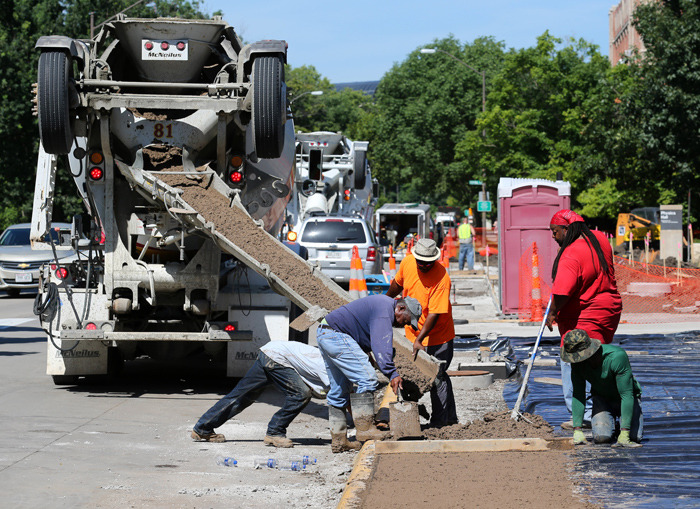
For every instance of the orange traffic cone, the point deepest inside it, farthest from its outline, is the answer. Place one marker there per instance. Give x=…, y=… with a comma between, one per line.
x=358, y=285
x=444, y=258
x=392, y=263
x=536, y=306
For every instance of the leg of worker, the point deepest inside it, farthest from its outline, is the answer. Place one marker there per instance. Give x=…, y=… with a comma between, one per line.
x=462, y=255
x=568, y=390
x=637, y=427
x=296, y=396
x=470, y=256
x=242, y=396
x=442, y=398
x=603, y=421
x=347, y=357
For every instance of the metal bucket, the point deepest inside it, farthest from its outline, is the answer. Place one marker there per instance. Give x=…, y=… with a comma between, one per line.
x=198, y=37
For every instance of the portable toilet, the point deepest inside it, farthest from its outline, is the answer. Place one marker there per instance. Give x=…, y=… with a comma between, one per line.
x=525, y=207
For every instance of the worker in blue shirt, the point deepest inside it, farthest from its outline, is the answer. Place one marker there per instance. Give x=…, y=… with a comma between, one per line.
x=345, y=337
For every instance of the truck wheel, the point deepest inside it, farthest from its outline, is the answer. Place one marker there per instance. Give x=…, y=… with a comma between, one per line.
x=359, y=168
x=65, y=379
x=269, y=106
x=53, y=102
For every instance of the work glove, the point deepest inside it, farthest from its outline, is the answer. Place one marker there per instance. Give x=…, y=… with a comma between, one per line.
x=579, y=437
x=624, y=440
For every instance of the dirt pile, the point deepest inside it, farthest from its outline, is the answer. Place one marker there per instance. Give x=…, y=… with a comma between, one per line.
x=494, y=425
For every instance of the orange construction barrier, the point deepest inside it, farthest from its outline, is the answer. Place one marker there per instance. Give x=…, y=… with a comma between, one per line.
x=532, y=291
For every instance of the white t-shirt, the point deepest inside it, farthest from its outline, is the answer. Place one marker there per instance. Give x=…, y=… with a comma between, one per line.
x=304, y=359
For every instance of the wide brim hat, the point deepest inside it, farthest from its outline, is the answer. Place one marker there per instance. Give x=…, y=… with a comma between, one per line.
x=578, y=346
x=426, y=250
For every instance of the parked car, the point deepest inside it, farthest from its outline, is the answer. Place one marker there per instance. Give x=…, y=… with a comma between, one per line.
x=329, y=241
x=20, y=264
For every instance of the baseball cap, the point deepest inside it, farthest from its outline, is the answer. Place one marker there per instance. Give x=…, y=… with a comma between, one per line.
x=415, y=309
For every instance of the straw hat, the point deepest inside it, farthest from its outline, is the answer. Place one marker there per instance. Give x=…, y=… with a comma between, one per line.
x=426, y=250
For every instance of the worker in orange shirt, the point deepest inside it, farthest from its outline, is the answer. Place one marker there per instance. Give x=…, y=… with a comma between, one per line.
x=428, y=282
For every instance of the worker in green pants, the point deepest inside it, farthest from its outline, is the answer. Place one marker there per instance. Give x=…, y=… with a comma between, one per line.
x=614, y=390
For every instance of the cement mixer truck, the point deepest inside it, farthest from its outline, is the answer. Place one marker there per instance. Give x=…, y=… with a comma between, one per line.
x=179, y=139
x=332, y=178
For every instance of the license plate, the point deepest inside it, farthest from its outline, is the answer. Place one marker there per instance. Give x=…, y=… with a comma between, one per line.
x=23, y=278
x=333, y=254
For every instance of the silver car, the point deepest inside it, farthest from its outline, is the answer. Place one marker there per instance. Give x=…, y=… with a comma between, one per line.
x=20, y=264
x=329, y=241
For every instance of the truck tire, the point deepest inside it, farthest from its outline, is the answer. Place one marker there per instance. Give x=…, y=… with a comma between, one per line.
x=53, y=102
x=359, y=169
x=269, y=106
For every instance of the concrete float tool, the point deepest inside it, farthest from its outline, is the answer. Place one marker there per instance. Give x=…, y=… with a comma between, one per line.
x=515, y=414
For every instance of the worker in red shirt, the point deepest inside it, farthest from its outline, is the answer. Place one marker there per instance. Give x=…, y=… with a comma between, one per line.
x=427, y=281
x=584, y=290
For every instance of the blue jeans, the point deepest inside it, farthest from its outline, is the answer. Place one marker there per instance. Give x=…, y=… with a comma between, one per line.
x=568, y=389
x=264, y=372
x=442, y=398
x=346, y=365
x=466, y=250
x=603, y=423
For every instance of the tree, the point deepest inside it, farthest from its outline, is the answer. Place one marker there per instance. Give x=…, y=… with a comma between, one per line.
x=425, y=105
x=663, y=107
x=539, y=117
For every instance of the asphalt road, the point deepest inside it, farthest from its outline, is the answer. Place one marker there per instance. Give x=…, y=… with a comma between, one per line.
x=125, y=442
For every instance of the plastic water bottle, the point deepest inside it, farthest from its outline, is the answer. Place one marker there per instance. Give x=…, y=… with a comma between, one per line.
x=226, y=461
x=294, y=465
x=307, y=460
x=264, y=463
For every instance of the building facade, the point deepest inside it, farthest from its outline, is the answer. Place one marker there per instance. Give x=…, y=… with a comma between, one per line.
x=623, y=37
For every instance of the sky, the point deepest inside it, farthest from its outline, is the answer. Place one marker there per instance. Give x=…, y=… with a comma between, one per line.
x=360, y=40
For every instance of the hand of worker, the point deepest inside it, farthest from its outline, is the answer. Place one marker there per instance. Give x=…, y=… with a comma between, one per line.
x=417, y=345
x=579, y=437
x=624, y=440
x=551, y=317
x=396, y=384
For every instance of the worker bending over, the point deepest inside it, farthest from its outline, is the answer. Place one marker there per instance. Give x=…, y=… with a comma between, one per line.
x=345, y=337
x=296, y=369
x=614, y=390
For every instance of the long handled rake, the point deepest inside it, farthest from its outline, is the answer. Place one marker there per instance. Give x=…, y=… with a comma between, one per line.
x=515, y=414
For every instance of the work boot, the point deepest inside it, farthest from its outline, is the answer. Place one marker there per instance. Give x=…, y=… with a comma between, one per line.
x=363, y=415
x=339, y=431
x=208, y=437
x=282, y=442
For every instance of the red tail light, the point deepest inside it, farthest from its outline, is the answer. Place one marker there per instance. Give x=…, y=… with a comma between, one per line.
x=371, y=254
x=230, y=327
x=91, y=326
x=62, y=273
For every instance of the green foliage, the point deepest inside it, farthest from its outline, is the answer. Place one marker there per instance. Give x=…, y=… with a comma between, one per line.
x=425, y=105
x=666, y=97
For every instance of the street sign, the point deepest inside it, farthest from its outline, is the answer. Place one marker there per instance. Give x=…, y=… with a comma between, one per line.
x=475, y=182
x=483, y=206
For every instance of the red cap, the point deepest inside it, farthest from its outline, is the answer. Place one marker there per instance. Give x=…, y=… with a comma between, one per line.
x=565, y=217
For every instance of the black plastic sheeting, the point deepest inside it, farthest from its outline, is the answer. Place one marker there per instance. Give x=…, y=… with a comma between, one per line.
x=665, y=472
